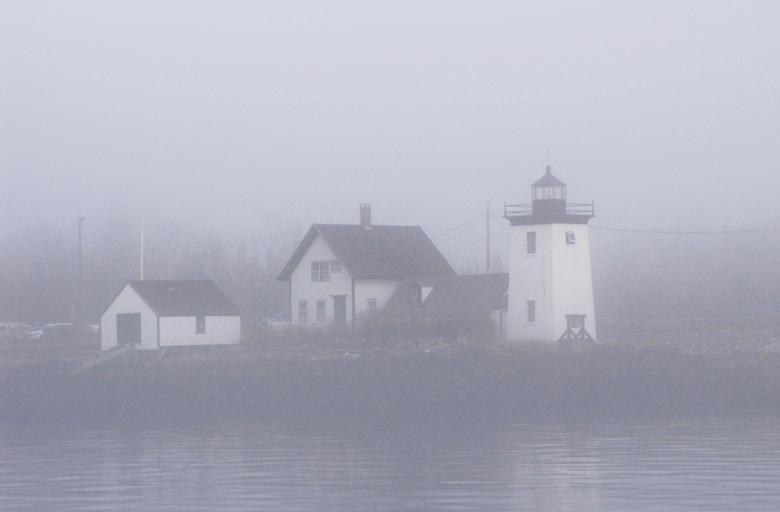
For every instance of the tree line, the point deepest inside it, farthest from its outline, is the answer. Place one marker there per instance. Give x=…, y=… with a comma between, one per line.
x=39, y=265
x=634, y=275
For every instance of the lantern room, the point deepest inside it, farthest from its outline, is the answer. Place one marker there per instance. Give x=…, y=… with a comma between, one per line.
x=549, y=187
x=548, y=196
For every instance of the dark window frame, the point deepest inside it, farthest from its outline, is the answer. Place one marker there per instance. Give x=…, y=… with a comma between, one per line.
x=416, y=295
x=315, y=272
x=303, y=310
x=320, y=310
x=200, y=324
x=530, y=241
x=531, y=307
x=325, y=270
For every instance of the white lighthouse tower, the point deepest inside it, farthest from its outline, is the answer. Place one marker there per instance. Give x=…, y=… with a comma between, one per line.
x=550, y=283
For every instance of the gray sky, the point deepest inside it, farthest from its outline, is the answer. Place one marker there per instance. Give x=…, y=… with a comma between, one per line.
x=236, y=115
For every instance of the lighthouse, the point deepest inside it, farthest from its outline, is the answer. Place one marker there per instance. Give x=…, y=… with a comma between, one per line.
x=550, y=282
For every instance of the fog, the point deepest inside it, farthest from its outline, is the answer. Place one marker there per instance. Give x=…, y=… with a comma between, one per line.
x=231, y=127
x=249, y=121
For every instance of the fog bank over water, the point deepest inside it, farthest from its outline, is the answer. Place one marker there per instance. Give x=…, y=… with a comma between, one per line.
x=233, y=117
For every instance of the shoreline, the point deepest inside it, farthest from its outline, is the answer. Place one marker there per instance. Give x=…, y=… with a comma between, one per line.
x=464, y=383
x=665, y=369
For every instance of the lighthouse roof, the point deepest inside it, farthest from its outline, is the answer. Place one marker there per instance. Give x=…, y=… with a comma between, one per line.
x=548, y=180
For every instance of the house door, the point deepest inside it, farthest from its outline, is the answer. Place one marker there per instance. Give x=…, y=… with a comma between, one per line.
x=128, y=328
x=340, y=309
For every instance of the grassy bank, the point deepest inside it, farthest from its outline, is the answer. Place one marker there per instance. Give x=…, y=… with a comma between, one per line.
x=436, y=379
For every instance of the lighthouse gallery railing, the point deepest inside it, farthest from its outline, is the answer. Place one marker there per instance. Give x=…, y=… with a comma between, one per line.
x=516, y=210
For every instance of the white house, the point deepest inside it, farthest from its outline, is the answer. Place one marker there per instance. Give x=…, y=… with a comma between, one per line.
x=157, y=314
x=550, y=283
x=340, y=272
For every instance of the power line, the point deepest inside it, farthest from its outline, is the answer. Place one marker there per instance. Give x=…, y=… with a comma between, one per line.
x=661, y=232
x=479, y=217
x=497, y=214
x=470, y=241
x=456, y=234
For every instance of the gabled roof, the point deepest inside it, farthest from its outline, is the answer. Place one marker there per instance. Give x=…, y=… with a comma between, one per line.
x=548, y=180
x=388, y=252
x=475, y=296
x=184, y=298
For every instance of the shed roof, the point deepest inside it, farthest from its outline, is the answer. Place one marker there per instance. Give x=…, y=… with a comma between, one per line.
x=185, y=298
x=388, y=252
x=475, y=296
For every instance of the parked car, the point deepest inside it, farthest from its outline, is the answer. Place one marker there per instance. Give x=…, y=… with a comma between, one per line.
x=12, y=329
x=280, y=320
x=52, y=331
x=31, y=333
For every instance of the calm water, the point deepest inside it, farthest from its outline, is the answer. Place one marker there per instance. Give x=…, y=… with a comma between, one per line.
x=703, y=465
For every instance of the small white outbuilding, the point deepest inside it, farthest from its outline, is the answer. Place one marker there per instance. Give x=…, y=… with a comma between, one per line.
x=157, y=314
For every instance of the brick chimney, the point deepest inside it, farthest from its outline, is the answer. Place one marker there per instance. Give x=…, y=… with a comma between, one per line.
x=365, y=215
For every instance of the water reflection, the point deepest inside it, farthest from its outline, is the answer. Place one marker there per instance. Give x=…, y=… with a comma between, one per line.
x=713, y=464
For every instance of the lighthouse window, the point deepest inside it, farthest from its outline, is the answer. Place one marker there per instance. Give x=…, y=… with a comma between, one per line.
x=531, y=242
x=531, y=311
x=570, y=238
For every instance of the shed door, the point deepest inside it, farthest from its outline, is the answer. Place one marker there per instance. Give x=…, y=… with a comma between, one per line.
x=340, y=309
x=128, y=328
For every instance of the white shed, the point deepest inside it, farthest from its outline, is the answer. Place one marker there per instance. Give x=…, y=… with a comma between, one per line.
x=157, y=314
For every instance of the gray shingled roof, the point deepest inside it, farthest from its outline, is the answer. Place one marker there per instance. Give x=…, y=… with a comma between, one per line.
x=475, y=296
x=548, y=180
x=388, y=252
x=185, y=298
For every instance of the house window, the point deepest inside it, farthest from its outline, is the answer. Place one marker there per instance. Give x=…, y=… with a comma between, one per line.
x=531, y=242
x=371, y=308
x=200, y=324
x=531, y=311
x=315, y=271
x=320, y=310
x=335, y=267
x=416, y=295
x=303, y=310
x=320, y=271
x=325, y=271
x=570, y=238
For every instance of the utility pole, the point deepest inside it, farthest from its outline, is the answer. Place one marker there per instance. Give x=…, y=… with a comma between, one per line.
x=75, y=312
x=487, y=263
x=142, y=237
x=81, y=259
